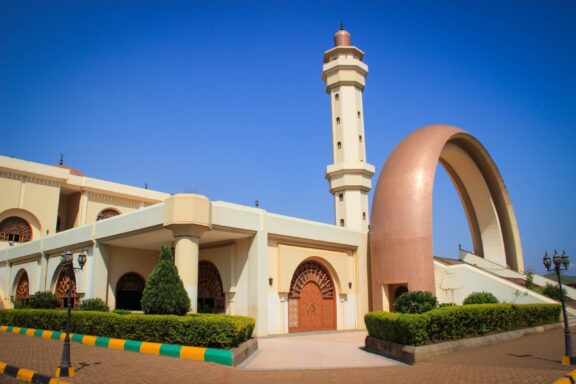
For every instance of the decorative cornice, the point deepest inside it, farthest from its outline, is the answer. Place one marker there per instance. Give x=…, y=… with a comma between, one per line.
x=114, y=199
x=29, y=179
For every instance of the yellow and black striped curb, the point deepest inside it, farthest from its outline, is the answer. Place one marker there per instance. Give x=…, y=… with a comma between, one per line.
x=569, y=378
x=219, y=356
x=27, y=375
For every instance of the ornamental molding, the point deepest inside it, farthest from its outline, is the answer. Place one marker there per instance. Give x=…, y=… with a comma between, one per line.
x=115, y=199
x=30, y=179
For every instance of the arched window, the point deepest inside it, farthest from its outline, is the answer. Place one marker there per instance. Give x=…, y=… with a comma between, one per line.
x=62, y=285
x=22, y=289
x=107, y=213
x=339, y=145
x=337, y=97
x=341, y=222
x=210, y=291
x=341, y=197
x=15, y=229
x=129, y=291
x=337, y=120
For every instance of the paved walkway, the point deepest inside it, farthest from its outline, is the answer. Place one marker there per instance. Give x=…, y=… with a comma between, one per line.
x=532, y=360
x=314, y=351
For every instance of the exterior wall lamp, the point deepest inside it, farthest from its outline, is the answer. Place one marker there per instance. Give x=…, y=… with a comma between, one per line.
x=65, y=369
x=561, y=262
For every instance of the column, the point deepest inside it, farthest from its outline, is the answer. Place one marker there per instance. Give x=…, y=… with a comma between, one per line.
x=186, y=260
x=96, y=272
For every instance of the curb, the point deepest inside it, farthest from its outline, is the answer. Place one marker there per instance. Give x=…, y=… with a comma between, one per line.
x=27, y=375
x=219, y=356
x=569, y=378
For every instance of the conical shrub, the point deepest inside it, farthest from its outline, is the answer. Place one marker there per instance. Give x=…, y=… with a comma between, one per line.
x=164, y=292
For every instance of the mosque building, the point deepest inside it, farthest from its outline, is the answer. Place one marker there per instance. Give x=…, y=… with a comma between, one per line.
x=289, y=274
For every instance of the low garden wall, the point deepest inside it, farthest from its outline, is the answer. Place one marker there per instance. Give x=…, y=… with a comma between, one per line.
x=451, y=323
x=199, y=330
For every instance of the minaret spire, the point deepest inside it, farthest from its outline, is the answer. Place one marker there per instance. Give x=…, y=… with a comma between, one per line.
x=350, y=176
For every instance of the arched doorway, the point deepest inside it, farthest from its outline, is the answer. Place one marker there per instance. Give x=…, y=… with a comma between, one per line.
x=210, y=292
x=61, y=289
x=129, y=291
x=312, y=301
x=22, y=294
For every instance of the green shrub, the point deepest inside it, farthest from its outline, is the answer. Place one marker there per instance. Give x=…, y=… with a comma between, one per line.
x=122, y=311
x=95, y=304
x=456, y=322
x=444, y=305
x=44, y=300
x=215, y=331
x=553, y=291
x=400, y=328
x=164, y=292
x=20, y=304
x=480, y=298
x=415, y=302
x=530, y=280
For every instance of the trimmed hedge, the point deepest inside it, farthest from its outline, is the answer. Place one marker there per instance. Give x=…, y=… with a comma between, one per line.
x=402, y=328
x=199, y=330
x=457, y=322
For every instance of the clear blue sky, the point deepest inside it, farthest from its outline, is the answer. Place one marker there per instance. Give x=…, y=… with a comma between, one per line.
x=225, y=98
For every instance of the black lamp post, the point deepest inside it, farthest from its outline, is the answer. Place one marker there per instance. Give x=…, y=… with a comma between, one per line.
x=560, y=261
x=65, y=369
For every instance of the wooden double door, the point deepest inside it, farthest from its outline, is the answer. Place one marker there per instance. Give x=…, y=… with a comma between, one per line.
x=311, y=302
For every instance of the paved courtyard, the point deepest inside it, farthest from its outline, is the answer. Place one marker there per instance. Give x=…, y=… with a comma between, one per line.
x=532, y=359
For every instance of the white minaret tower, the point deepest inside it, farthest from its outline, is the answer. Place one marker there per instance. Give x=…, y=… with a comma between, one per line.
x=350, y=176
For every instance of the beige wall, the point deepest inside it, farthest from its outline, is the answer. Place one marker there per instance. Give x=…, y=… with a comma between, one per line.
x=34, y=200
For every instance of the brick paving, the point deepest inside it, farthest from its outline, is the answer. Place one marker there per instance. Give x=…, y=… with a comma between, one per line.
x=532, y=360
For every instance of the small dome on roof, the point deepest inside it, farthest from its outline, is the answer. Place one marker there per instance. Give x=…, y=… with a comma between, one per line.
x=73, y=171
x=342, y=37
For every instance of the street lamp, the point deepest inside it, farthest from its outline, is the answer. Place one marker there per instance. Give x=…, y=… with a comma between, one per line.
x=560, y=261
x=65, y=369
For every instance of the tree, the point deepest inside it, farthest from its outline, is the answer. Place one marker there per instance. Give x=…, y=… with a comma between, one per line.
x=164, y=292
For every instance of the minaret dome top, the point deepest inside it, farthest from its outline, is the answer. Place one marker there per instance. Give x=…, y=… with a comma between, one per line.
x=342, y=37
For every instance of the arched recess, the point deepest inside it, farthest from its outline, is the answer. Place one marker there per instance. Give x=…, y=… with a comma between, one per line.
x=30, y=219
x=401, y=242
x=211, y=297
x=22, y=287
x=129, y=291
x=61, y=288
x=107, y=213
x=312, y=299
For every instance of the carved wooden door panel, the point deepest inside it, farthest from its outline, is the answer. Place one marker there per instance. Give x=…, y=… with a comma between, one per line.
x=310, y=308
x=311, y=303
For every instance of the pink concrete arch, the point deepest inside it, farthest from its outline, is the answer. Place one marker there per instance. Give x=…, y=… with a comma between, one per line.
x=401, y=242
